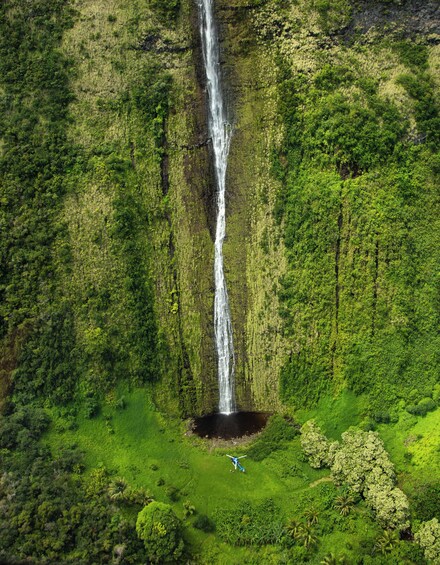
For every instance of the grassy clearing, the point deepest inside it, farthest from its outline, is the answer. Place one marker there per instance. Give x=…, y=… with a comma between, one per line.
x=152, y=451
x=413, y=443
x=144, y=447
x=336, y=414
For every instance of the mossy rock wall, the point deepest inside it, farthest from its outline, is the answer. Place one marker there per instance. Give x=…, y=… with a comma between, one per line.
x=117, y=47
x=108, y=219
x=253, y=250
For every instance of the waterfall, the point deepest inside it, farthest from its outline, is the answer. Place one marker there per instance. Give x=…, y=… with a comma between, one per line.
x=220, y=133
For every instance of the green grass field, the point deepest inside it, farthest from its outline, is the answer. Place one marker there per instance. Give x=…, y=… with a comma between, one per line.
x=413, y=444
x=335, y=414
x=146, y=447
x=150, y=450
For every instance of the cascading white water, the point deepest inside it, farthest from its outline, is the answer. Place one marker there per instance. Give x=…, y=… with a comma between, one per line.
x=220, y=133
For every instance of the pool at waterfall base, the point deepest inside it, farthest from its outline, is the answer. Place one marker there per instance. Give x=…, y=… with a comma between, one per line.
x=230, y=426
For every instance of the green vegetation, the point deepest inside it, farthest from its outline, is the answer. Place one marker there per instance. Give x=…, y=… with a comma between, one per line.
x=332, y=259
x=362, y=464
x=359, y=207
x=35, y=153
x=126, y=457
x=148, y=450
x=53, y=510
x=428, y=537
x=276, y=434
x=246, y=524
x=159, y=529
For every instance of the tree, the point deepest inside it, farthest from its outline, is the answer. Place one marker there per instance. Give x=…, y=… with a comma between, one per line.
x=319, y=450
x=361, y=458
x=160, y=530
x=344, y=503
x=311, y=515
x=361, y=463
x=307, y=536
x=117, y=489
x=390, y=505
x=293, y=528
x=428, y=537
x=331, y=559
x=387, y=541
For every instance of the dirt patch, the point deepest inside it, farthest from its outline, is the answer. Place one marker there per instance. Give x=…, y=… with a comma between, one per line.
x=319, y=481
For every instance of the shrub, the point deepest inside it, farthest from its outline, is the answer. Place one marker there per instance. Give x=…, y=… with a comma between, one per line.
x=172, y=493
x=420, y=87
x=204, y=523
x=382, y=417
x=332, y=76
x=352, y=133
x=121, y=404
x=248, y=524
x=422, y=408
x=139, y=496
x=426, y=501
x=188, y=509
x=91, y=407
x=274, y=437
x=167, y=9
x=412, y=54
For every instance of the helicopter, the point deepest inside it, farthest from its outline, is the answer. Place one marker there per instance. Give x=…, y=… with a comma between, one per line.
x=236, y=463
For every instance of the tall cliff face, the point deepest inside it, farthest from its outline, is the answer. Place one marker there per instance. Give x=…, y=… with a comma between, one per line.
x=334, y=140
x=332, y=209
x=107, y=254
x=254, y=251
x=153, y=110
x=254, y=255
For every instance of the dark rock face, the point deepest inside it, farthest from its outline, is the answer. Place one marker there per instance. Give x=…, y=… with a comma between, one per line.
x=406, y=19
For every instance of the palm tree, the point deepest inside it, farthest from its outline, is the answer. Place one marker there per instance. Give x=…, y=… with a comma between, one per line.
x=307, y=536
x=387, y=542
x=139, y=496
x=311, y=515
x=344, y=503
x=293, y=528
x=117, y=489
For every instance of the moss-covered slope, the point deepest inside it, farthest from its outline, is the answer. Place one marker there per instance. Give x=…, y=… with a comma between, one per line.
x=332, y=231
x=336, y=130
x=110, y=278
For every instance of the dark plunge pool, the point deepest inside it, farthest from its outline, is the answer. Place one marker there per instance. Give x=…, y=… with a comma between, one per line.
x=229, y=426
